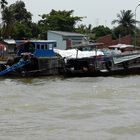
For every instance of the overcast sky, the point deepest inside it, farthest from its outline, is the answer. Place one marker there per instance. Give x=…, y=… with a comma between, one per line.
x=97, y=12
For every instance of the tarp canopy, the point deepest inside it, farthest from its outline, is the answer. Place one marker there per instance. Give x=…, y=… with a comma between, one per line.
x=74, y=53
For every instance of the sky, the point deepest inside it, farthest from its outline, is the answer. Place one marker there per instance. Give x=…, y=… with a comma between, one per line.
x=95, y=12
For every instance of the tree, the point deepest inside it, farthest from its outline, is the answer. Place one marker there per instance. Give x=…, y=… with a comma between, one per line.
x=13, y=16
x=101, y=31
x=126, y=22
x=3, y=3
x=20, y=12
x=81, y=29
x=59, y=20
x=8, y=22
x=35, y=30
x=22, y=31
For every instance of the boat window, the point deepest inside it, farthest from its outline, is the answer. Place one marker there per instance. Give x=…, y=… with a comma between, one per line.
x=38, y=46
x=46, y=46
x=42, y=47
x=50, y=46
x=54, y=45
x=86, y=48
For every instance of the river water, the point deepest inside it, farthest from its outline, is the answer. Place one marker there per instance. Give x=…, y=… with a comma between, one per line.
x=57, y=108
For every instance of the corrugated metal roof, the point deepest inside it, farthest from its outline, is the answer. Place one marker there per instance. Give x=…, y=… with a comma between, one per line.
x=67, y=33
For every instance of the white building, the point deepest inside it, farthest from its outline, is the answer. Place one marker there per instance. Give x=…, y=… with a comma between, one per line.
x=65, y=40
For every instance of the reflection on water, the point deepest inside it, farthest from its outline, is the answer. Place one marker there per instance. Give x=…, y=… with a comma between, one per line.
x=57, y=108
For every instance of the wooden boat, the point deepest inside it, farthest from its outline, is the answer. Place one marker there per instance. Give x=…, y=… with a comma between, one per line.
x=33, y=58
x=108, y=63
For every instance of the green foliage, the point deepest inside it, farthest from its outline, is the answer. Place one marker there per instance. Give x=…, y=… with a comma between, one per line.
x=35, y=30
x=81, y=29
x=101, y=31
x=119, y=32
x=95, y=32
x=59, y=20
x=12, y=17
x=3, y=4
x=84, y=29
x=17, y=23
x=126, y=23
x=20, y=13
x=22, y=31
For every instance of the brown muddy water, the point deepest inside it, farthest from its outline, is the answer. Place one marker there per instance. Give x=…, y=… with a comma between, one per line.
x=57, y=108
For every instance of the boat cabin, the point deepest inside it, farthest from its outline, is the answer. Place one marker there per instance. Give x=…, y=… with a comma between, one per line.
x=40, y=53
x=39, y=48
x=123, y=48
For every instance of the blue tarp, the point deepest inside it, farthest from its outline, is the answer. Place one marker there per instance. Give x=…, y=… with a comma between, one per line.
x=44, y=53
x=18, y=65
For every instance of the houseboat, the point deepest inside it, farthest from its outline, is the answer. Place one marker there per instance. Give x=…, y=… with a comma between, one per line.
x=94, y=59
x=33, y=58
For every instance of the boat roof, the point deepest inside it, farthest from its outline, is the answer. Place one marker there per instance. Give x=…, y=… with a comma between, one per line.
x=22, y=42
x=121, y=46
x=36, y=41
